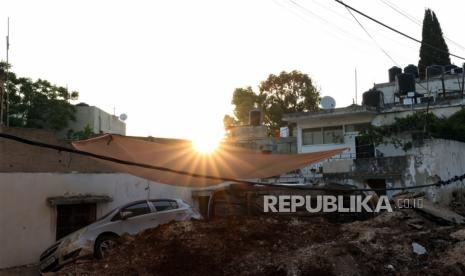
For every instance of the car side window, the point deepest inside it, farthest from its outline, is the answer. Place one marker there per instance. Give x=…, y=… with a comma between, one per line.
x=137, y=209
x=163, y=205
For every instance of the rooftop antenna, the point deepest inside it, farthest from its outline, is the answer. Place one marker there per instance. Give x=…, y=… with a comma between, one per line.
x=7, y=66
x=356, y=89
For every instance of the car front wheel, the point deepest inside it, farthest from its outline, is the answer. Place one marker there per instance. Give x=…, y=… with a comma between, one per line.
x=104, y=244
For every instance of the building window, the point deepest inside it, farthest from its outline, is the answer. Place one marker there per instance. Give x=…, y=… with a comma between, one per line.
x=333, y=135
x=326, y=135
x=72, y=217
x=312, y=136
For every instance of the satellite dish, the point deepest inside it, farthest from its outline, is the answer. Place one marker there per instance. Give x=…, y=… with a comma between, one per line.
x=123, y=117
x=328, y=102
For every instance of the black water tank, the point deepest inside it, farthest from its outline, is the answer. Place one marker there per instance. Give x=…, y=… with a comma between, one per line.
x=393, y=72
x=255, y=117
x=458, y=70
x=411, y=69
x=406, y=83
x=373, y=98
x=451, y=69
x=434, y=70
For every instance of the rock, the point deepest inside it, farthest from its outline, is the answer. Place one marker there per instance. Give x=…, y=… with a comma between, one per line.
x=126, y=238
x=459, y=235
x=414, y=225
x=390, y=267
x=418, y=249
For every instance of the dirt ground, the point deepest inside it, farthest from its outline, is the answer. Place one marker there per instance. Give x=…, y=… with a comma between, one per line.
x=288, y=246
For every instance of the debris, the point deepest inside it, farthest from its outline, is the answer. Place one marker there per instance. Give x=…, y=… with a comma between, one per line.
x=257, y=245
x=409, y=195
x=390, y=267
x=416, y=226
x=418, y=248
x=459, y=235
x=442, y=215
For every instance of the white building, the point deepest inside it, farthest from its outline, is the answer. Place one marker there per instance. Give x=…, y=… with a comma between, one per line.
x=385, y=165
x=45, y=194
x=98, y=120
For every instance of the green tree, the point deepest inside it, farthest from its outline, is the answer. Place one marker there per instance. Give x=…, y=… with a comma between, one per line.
x=433, y=49
x=38, y=104
x=244, y=100
x=86, y=133
x=229, y=121
x=287, y=93
x=278, y=94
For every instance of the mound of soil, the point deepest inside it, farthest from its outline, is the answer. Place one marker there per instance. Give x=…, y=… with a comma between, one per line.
x=287, y=246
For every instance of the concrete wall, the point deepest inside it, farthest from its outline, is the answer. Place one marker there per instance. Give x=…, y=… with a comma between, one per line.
x=28, y=223
x=18, y=157
x=440, y=110
x=98, y=120
x=437, y=159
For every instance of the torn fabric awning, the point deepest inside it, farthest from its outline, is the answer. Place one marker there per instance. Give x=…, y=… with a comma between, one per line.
x=187, y=167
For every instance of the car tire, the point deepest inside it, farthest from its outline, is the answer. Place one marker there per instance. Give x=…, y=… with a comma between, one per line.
x=103, y=244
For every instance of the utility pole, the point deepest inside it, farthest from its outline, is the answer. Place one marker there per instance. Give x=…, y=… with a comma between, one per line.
x=463, y=79
x=356, y=85
x=2, y=92
x=7, y=93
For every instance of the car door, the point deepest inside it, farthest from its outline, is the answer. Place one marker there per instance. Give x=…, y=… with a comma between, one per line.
x=142, y=218
x=168, y=210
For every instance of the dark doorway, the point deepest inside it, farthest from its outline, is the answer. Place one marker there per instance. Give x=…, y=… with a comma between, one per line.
x=72, y=217
x=378, y=184
x=364, y=148
x=203, y=205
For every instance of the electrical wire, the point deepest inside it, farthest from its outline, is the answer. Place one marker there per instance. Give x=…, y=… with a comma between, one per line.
x=305, y=19
x=396, y=31
x=373, y=39
x=159, y=168
x=327, y=22
x=415, y=20
x=401, y=12
x=380, y=47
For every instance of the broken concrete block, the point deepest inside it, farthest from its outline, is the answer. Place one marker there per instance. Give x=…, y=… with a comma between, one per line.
x=414, y=225
x=440, y=214
x=459, y=235
x=418, y=248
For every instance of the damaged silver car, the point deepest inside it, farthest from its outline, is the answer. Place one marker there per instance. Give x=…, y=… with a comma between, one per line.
x=97, y=238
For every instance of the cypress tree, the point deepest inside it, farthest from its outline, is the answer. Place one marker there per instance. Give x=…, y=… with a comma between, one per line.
x=432, y=36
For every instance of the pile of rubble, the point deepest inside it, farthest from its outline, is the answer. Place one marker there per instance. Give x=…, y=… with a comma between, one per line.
x=398, y=243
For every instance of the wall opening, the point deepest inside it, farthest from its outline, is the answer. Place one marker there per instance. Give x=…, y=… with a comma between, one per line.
x=203, y=205
x=364, y=148
x=72, y=217
x=377, y=184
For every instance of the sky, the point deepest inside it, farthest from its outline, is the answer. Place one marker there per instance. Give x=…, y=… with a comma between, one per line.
x=172, y=66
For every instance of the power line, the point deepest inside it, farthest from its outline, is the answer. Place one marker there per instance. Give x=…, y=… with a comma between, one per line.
x=351, y=20
x=313, y=14
x=395, y=30
x=159, y=168
x=381, y=48
x=399, y=11
x=415, y=20
x=304, y=18
x=373, y=39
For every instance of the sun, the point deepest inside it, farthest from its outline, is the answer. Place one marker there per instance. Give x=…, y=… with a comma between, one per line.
x=206, y=145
